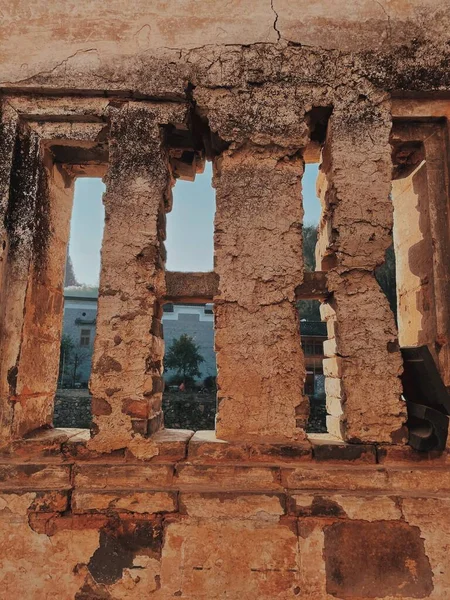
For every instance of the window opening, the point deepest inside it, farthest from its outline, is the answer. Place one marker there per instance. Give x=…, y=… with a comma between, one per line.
x=85, y=338
x=312, y=330
x=72, y=401
x=190, y=225
x=189, y=400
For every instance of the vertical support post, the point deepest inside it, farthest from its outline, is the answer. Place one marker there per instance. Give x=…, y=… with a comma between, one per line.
x=437, y=156
x=8, y=128
x=126, y=380
x=258, y=257
x=37, y=230
x=19, y=226
x=363, y=363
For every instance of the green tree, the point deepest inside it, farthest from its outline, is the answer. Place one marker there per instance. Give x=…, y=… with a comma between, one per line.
x=67, y=347
x=70, y=359
x=309, y=247
x=184, y=357
x=385, y=275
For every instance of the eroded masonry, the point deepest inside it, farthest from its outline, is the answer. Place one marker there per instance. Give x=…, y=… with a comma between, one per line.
x=256, y=509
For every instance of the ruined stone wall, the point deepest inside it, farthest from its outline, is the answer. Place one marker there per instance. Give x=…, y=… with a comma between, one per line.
x=142, y=93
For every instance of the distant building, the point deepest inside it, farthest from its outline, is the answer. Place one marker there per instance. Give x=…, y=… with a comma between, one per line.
x=80, y=313
x=197, y=321
x=313, y=334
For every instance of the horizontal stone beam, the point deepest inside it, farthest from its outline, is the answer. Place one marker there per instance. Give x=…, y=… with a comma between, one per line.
x=314, y=286
x=198, y=288
x=194, y=288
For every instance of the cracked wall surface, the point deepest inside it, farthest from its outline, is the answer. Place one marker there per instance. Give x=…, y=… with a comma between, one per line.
x=258, y=257
x=141, y=93
x=193, y=522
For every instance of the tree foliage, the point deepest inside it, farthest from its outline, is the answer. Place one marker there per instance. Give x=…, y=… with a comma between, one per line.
x=70, y=359
x=309, y=247
x=184, y=357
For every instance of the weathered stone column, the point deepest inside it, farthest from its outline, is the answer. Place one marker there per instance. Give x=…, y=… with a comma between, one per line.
x=258, y=257
x=18, y=253
x=8, y=128
x=126, y=380
x=364, y=363
x=36, y=233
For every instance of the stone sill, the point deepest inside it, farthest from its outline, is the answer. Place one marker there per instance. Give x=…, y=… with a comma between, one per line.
x=202, y=447
x=61, y=476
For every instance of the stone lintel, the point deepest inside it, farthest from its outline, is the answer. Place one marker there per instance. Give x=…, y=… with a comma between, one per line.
x=202, y=287
x=191, y=287
x=314, y=286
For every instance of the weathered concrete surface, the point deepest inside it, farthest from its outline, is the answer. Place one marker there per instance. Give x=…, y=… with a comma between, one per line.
x=354, y=234
x=124, y=530
x=126, y=381
x=258, y=256
x=78, y=51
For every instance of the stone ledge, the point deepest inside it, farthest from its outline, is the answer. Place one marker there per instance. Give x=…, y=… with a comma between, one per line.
x=405, y=455
x=34, y=476
x=136, y=501
x=44, y=443
x=204, y=446
x=326, y=448
x=66, y=445
x=70, y=445
x=122, y=481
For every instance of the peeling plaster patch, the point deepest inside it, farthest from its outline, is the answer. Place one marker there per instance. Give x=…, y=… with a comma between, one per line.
x=373, y=560
x=120, y=543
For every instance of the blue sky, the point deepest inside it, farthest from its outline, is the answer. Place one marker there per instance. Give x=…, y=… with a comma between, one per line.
x=189, y=226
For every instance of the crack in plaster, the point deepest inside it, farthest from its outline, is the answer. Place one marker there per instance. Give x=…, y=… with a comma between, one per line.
x=276, y=21
x=53, y=69
x=389, y=30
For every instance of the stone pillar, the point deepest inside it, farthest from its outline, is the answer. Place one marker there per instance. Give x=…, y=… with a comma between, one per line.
x=37, y=229
x=126, y=380
x=258, y=257
x=437, y=157
x=19, y=233
x=8, y=127
x=363, y=361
